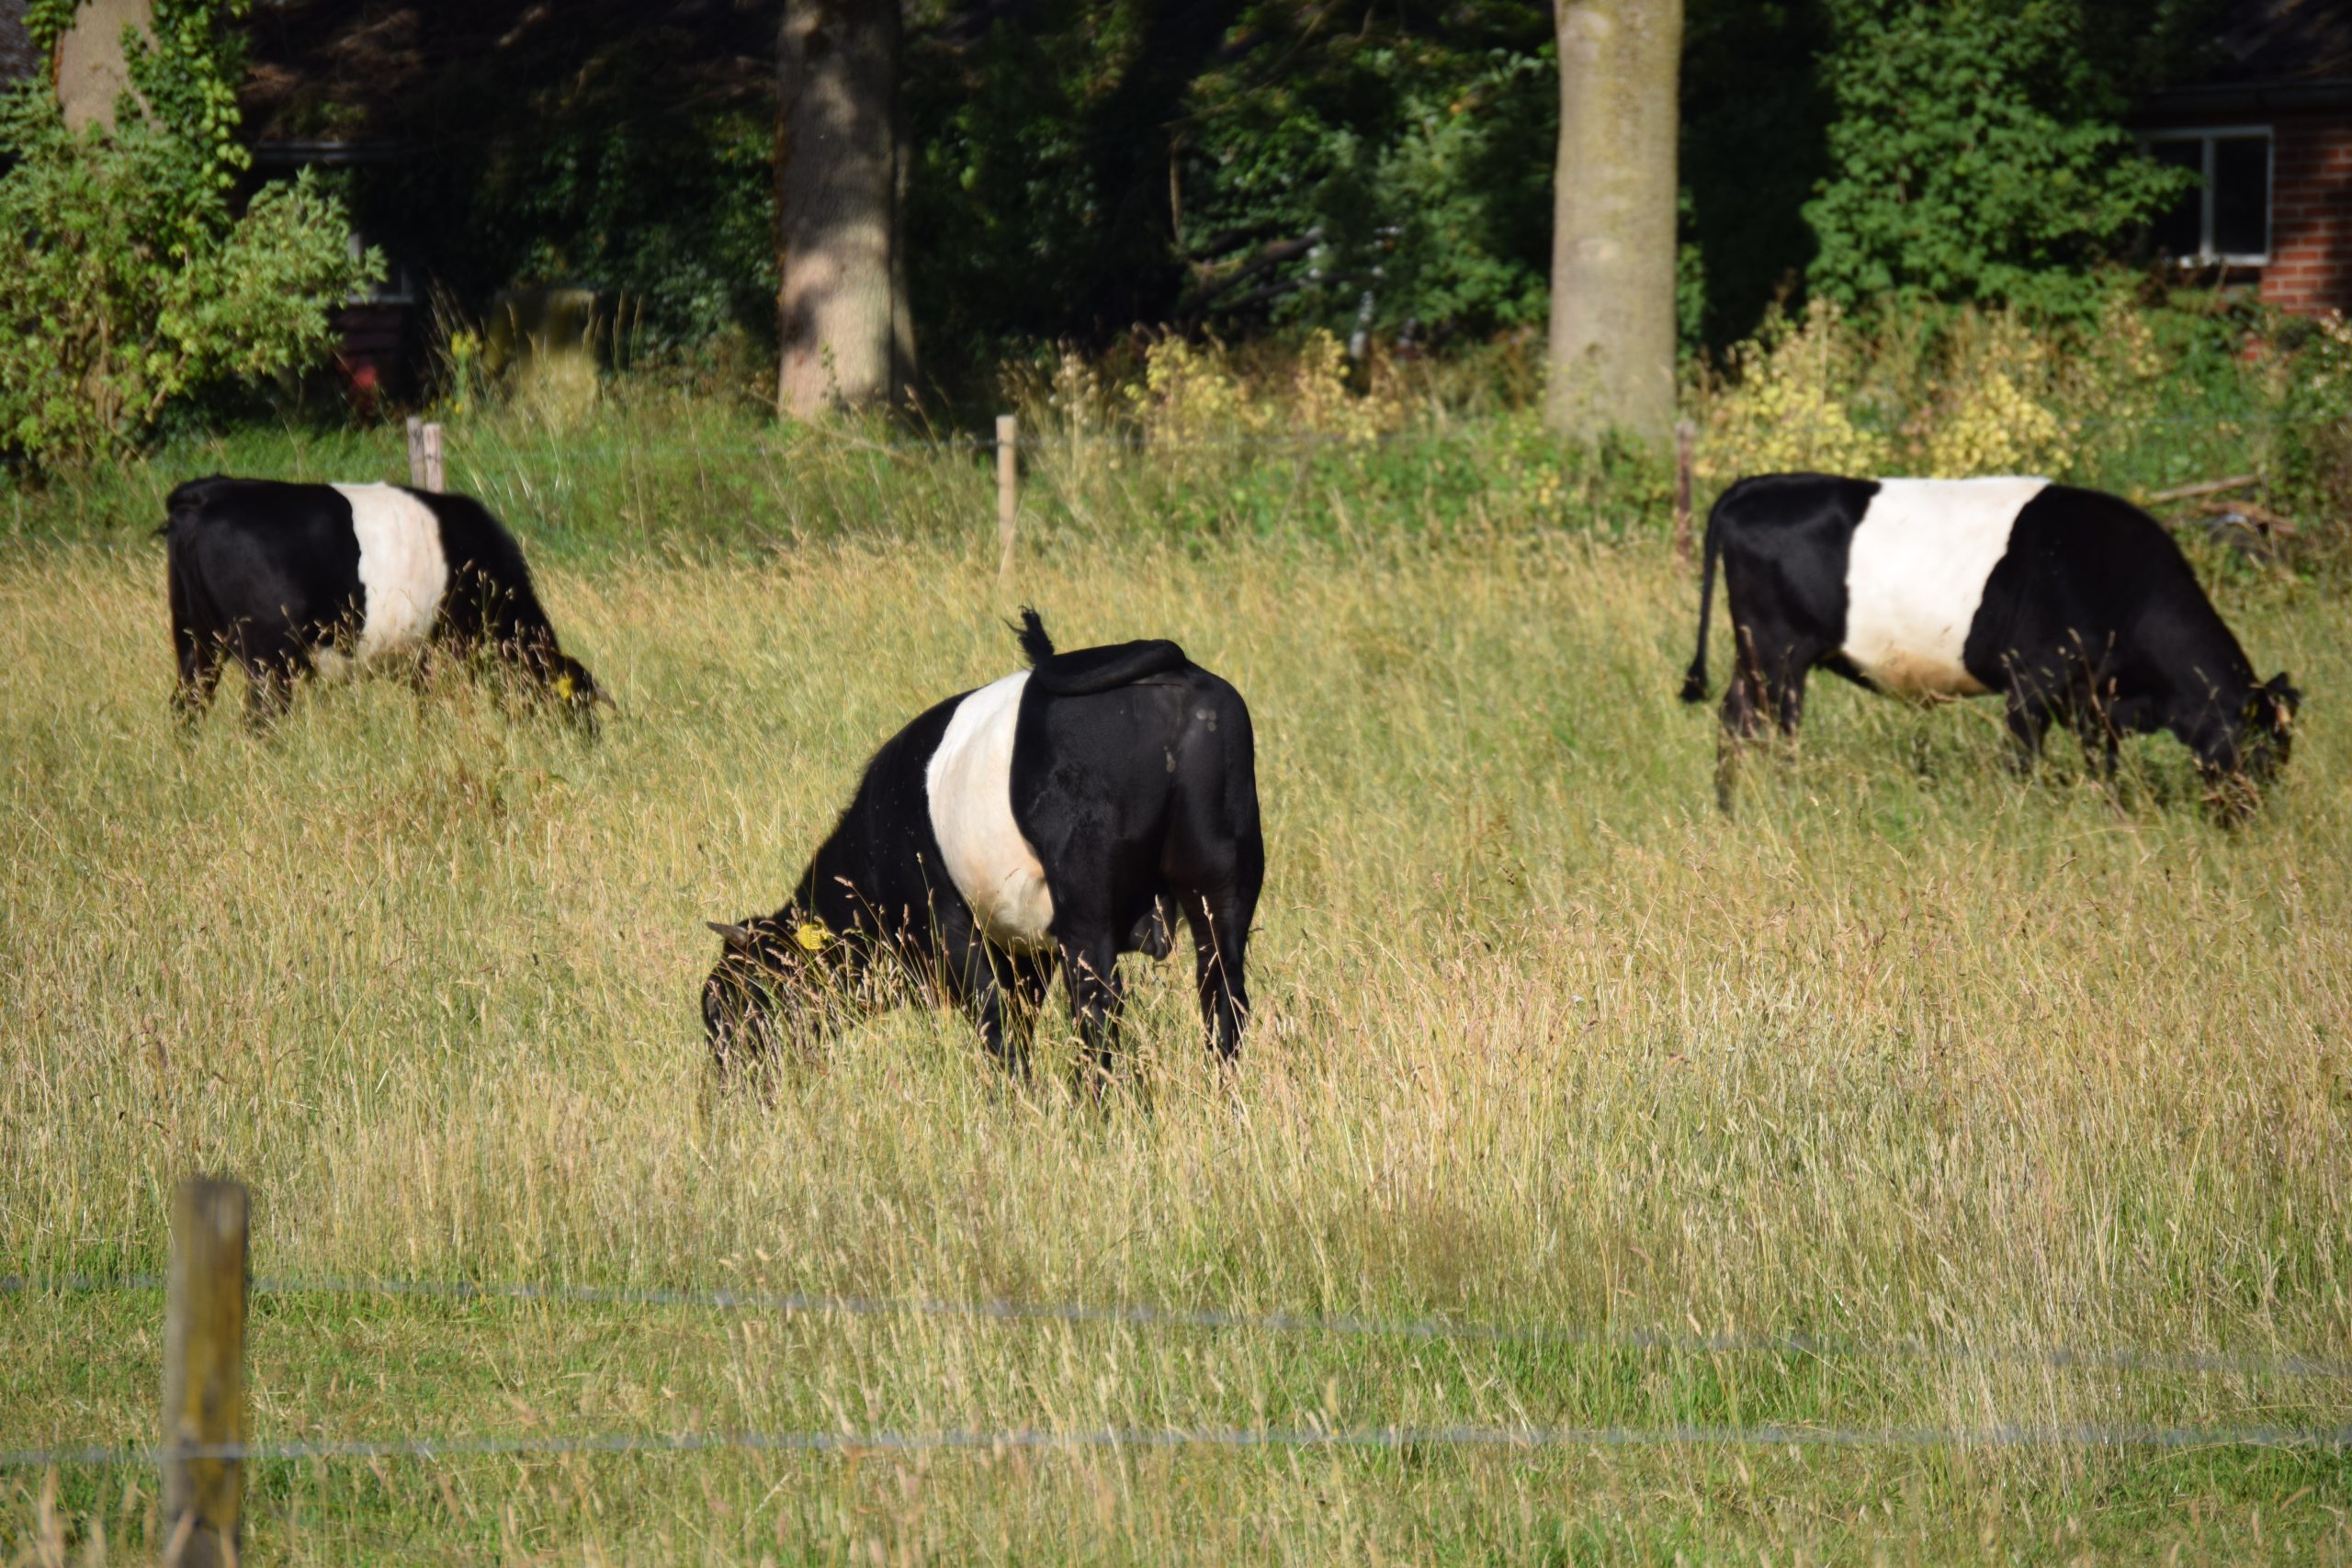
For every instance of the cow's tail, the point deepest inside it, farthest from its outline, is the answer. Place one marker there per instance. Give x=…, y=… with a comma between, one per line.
x=1036, y=646
x=186, y=502
x=1694, y=680
x=1089, y=671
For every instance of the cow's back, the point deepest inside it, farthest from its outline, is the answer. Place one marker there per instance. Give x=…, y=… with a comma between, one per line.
x=968, y=798
x=1918, y=568
x=2089, y=577
x=258, y=552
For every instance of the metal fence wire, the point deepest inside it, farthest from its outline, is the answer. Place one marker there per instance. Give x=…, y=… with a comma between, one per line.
x=1047, y=443
x=1151, y=1316
x=1032, y=1439
x=1812, y=1346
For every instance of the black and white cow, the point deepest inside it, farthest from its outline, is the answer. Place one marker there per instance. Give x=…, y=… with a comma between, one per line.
x=2072, y=603
x=1058, y=816
x=288, y=579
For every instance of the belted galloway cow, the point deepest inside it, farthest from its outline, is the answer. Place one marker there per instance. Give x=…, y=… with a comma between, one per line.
x=2071, y=604
x=1051, y=821
x=292, y=579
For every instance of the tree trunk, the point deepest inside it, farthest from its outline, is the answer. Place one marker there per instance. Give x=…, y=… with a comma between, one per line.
x=90, y=69
x=842, y=318
x=1611, y=363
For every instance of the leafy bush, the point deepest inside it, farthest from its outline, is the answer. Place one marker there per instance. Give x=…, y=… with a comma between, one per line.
x=1419, y=173
x=1786, y=400
x=1976, y=156
x=2147, y=395
x=1084, y=166
x=132, y=284
x=1278, y=440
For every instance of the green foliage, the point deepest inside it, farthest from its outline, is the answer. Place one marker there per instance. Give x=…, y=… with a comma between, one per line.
x=622, y=159
x=185, y=72
x=1037, y=202
x=1755, y=117
x=1105, y=163
x=1416, y=158
x=1975, y=155
x=133, y=284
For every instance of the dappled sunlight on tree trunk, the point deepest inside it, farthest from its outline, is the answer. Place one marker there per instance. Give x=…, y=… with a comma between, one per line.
x=1612, y=365
x=846, y=336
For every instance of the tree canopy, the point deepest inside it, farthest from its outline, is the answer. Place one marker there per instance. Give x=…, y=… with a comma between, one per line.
x=1079, y=167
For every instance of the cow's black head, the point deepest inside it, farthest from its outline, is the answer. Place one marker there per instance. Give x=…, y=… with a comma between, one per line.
x=2269, y=733
x=573, y=688
x=775, y=980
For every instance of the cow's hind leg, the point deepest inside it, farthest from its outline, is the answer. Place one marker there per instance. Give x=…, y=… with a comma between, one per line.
x=1747, y=700
x=1220, y=926
x=197, y=651
x=1787, y=694
x=200, y=659
x=273, y=659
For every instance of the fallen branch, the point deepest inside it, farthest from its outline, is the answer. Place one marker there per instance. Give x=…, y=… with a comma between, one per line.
x=2229, y=513
x=2204, y=487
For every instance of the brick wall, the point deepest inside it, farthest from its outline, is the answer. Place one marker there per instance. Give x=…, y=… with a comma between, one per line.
x=2311, y=213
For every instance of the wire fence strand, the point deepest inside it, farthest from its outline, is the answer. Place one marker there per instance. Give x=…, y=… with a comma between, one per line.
x=1154, y=1315
x=1015, y=1438
x=1046, y=442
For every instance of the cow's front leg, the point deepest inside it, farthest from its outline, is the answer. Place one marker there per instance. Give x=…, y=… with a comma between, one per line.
x=1000, y=993
x=2029, y=722
x=2094, y=729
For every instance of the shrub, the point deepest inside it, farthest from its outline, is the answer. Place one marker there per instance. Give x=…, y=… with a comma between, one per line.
x=1994, y=414
x=1976, y=157
x=1786, y=397
x=132, y=284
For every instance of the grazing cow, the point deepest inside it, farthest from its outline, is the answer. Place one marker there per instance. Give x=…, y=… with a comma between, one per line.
x=2072, y=603
x=291, y=578
x=1059, y=816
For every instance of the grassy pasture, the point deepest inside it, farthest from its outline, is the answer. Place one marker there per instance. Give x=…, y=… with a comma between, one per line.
x=1909, y=1050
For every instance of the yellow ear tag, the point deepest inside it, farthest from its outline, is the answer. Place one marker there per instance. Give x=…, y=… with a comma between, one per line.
x=812, y=936
x=564, y=688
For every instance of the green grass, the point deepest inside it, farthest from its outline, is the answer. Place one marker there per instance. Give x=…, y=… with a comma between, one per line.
x=1908, y=1048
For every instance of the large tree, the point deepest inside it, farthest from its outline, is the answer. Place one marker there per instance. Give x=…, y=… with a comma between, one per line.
x=846, y=333
x=1611, y=362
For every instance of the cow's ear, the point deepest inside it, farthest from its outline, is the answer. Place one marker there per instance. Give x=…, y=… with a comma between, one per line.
x=738, y=938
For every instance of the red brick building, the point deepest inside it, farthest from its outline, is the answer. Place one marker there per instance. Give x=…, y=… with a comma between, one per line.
x=2270, y=127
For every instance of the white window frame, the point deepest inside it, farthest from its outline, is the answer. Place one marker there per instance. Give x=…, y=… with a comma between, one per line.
x=2206, y=135
x=397, y=288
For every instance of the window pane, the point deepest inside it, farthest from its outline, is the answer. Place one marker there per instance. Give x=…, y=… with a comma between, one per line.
x=2242, y=195
x=2175, y=231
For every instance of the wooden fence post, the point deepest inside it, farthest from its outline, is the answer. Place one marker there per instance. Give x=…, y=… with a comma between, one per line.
x=1684, y=433
x=432, y=475
x=415, y=452
x=1008, y=491
x=204, y=1374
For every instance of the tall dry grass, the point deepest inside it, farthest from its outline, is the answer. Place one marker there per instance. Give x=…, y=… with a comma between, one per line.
x=1909, y=1049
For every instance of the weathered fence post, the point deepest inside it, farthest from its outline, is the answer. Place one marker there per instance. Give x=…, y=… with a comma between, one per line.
x=416, y=451
x=1007, y=490
x=204, y=1374
x=1684, y=433
x=433, y=478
